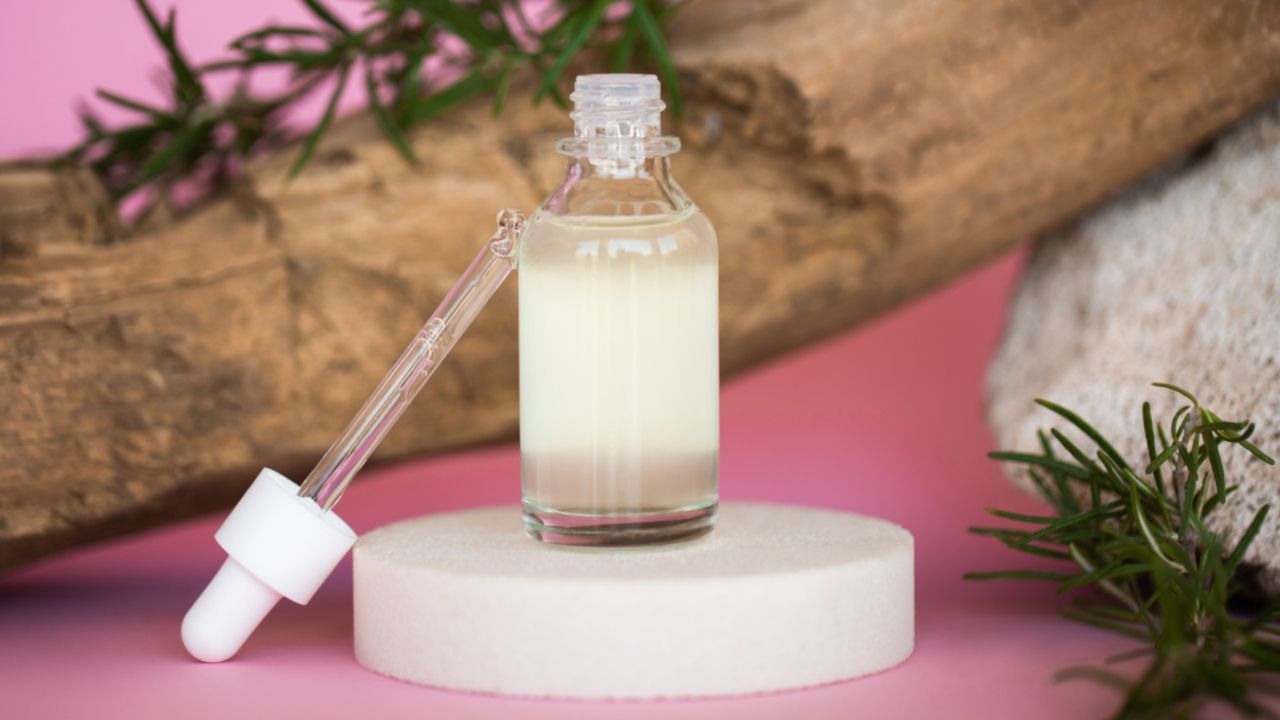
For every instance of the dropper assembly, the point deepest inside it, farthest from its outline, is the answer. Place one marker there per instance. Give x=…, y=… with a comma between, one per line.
x=281, y=539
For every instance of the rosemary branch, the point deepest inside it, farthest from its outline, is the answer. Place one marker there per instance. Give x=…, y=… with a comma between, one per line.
x=1138, y=537
x=415, y=60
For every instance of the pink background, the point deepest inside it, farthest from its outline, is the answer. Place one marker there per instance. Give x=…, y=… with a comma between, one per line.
x=884, y=420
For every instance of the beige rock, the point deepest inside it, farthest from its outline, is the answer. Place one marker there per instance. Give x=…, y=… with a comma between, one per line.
x=1175, y=281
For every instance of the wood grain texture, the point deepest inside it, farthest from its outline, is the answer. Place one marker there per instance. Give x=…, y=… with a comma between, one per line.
x=851, y=155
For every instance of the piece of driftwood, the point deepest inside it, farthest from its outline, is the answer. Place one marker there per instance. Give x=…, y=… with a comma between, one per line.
x=851, y=154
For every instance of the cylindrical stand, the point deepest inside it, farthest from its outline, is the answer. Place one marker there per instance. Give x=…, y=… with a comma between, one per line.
x=775, y=598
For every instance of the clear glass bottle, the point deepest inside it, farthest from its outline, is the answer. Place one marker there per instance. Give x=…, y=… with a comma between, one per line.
x=619, y=354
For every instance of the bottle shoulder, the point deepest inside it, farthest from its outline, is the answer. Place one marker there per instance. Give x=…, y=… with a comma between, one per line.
x=592, y=190
x=688, y=222
x=684, y=233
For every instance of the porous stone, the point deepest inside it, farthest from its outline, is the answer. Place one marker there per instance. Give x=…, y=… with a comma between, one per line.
x=1175, y=281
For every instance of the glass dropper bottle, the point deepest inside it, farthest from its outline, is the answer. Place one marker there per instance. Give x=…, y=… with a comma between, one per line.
x=619, y=353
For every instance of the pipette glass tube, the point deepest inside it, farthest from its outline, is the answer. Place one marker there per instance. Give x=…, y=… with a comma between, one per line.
x=348, y=454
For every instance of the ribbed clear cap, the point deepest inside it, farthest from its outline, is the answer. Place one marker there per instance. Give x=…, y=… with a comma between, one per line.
x=617, y=116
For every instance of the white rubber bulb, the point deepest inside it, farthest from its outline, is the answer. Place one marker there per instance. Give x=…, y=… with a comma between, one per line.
x=278, y=545
x=226, y=613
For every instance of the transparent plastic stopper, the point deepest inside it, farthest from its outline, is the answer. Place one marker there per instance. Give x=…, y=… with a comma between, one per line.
x=348, y=454
x=617, y=122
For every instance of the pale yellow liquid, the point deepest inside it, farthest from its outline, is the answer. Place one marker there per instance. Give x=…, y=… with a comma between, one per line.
x=619, y=367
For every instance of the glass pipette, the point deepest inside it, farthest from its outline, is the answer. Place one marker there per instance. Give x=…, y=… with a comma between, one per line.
x=347, y=455
x=281, y=539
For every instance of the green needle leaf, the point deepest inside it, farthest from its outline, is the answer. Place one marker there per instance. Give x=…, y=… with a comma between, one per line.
x=301, y=59
x=1233, y=560
x=1057, y=525
x=648, y=26
x=1105, y=624
x=624, y=49
x=1162, y=458
x=1048, y=463
x=1231, y=431
x=1012, y=539
x=389, y=126
x=1215, y=464
x=186, y=86
x=134, y=139
x=469, y=86
x=274, y=31
x=327, y=16
x=1179, y=422
x=462, y=22
x=410, y=90
x=1018, y=575
x=1256, y=452
x=1123, y=479
x=1105, y=574
x=313, y=139
x=179, y=146
x=154, y=113
x=1222, y=427
x=504, y=86
x=1075, y=452
x=582, y=31
x=1065, y=499
x=1085, y=428
x=1095, y=472
x=1218, y=499
x=152, y=21
x=1042, y=519
x=1135, y=509
x=1180, y=391
x=1148, y=429
x=1129, y=655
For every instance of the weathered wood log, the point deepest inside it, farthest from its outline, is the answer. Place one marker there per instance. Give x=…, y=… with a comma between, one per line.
x=851, y=154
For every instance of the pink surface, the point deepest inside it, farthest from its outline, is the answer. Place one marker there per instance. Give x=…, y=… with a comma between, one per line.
x=886, y=420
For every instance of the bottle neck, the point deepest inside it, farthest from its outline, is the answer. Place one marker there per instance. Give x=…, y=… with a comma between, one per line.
x=617, y=125
x=618, y=153
x=599, y=186
x=651, y=169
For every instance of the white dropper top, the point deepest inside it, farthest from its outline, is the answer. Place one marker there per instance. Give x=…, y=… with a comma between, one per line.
x=278, y=544
x=281, y=540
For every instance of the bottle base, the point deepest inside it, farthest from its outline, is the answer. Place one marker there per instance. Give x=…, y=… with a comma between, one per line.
x=612, y=530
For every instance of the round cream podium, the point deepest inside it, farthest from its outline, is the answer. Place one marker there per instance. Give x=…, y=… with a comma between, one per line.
x=775, y=598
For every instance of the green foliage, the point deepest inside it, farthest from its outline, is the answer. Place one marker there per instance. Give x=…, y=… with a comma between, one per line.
x=418, y=58
x=1140, y=543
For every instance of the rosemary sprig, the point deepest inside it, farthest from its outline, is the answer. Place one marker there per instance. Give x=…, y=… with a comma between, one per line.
x=1137, y=535
x=417, y=59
